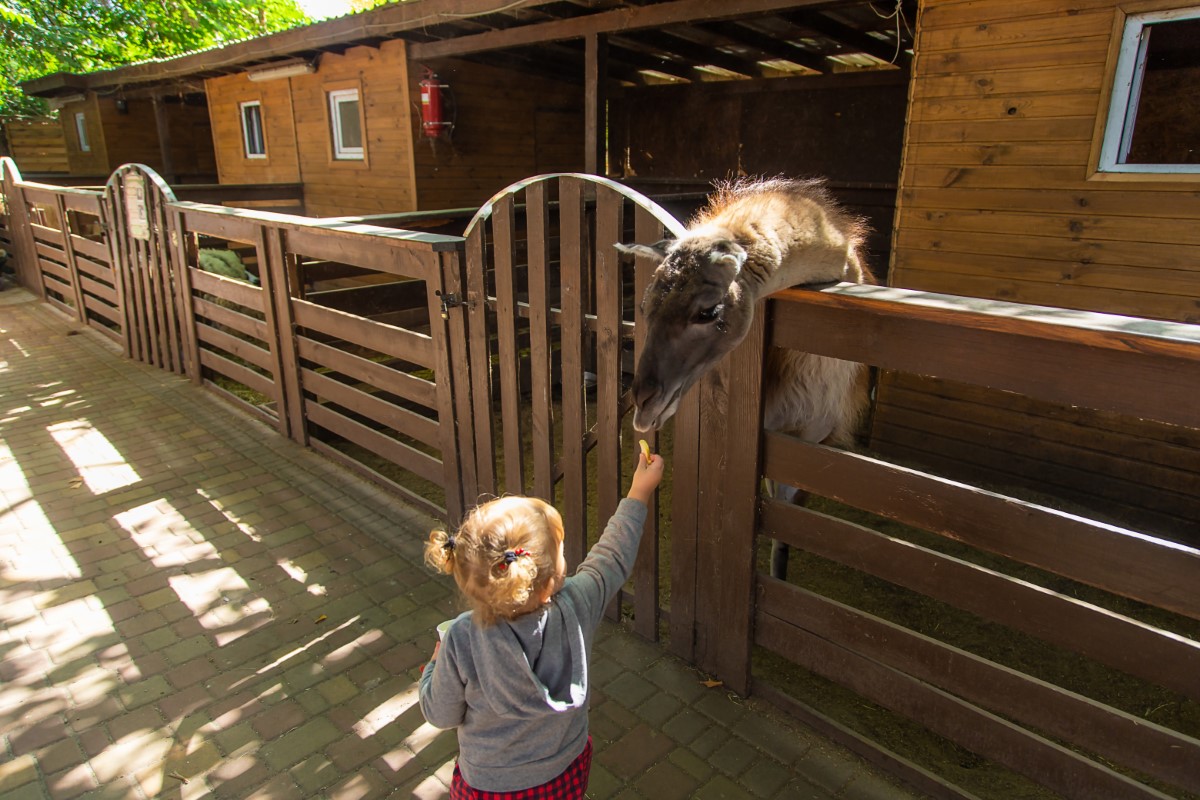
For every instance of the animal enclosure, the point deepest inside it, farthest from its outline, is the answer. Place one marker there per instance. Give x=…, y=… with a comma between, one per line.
x=954, y=606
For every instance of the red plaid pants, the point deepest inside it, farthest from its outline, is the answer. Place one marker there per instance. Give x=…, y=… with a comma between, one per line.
x=570, y=785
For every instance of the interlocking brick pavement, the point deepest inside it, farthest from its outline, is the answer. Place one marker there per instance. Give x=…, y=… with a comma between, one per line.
x=192, y=606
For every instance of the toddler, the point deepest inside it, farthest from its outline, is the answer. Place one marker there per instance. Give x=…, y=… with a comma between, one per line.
x=512, y=673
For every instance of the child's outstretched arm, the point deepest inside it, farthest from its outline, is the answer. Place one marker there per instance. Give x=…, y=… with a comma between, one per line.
x=610, y=562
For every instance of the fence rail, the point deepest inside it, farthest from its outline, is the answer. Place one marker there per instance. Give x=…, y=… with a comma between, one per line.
x=1005, y=561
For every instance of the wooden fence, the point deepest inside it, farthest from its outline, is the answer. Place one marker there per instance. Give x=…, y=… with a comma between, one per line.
x=1120, y=602
x=460, y=367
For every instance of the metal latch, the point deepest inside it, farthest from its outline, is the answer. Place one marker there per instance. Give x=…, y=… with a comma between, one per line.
x=449, y=300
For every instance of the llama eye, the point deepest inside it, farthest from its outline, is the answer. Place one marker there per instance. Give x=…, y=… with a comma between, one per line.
x=707, y=315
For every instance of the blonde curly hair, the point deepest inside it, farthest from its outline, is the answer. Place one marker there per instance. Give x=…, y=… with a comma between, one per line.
x=503, y=556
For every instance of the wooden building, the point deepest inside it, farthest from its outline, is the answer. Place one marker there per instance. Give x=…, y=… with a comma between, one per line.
x=509, y=125
x=104, y=127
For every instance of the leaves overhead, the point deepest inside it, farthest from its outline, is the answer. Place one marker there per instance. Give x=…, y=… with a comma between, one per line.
x=41, y=37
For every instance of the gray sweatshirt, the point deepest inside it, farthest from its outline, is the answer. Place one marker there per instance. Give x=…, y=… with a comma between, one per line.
x=518, y=691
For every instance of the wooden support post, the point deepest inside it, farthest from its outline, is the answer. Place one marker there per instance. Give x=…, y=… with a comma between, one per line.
x=462, y=489
x=187, y=313
x=28, y=271
x=268, y=247
x=164, y=139
x=69, y=255
x=740, y=507
x=595, y=104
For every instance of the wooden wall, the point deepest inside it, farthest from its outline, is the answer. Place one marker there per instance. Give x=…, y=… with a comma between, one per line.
x=37, y=145
x=225, y=94
x=383, y=181
x=508, y=126
x=997, y=201
x=94, y=161
x=299, y=138
x=846, y=127
x=132, y=136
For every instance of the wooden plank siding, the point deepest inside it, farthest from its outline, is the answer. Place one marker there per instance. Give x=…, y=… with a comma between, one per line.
x=383, y=179
x=298, y=136
x=225, y=96
x=997, y=201
x=37, y=145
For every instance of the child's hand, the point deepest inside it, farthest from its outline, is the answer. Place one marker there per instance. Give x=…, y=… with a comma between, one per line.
x=646, y=477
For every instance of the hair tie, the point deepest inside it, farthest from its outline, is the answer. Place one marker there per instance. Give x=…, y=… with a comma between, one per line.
x=449, y=545
x=511, y=555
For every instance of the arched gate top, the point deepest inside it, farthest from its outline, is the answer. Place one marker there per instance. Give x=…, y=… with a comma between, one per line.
x=661, y=214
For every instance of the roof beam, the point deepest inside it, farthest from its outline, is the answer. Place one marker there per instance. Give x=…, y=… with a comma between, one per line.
x=680, y=12
x=626, y=64
x=852, y=39
x=699, y=55
x=772, y=47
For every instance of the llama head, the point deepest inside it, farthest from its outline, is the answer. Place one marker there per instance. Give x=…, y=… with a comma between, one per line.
x=695, y=311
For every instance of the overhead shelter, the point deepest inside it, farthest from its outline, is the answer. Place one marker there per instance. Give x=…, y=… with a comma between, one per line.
x=647, y=92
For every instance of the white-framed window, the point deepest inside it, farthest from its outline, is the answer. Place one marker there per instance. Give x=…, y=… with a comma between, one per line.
x=1153, y=125
x=252, y=129
x=85, y=146
x=346, y=123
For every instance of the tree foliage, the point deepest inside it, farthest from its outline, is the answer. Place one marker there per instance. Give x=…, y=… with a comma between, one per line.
x=41, y=37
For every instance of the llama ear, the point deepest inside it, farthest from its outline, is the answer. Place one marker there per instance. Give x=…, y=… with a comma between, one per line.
x=728, y=254
x=657, y=251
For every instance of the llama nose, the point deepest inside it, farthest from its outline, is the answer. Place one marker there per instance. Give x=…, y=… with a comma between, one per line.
x=644, y=391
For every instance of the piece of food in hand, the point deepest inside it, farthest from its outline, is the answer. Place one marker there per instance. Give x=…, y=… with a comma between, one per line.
x=645, y=450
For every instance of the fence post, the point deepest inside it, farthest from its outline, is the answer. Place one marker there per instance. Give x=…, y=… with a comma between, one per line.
x=277, y=313
x=740, y=509
x=180, y=247
x=18, y=209
x=64, y=225
x=460, y=368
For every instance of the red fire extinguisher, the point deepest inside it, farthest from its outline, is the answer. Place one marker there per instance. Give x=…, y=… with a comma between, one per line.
x=433, y=122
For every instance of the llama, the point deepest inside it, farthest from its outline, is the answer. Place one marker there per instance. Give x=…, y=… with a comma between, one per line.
x=753, y=238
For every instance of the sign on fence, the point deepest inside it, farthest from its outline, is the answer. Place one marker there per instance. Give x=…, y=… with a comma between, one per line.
x=138, y=220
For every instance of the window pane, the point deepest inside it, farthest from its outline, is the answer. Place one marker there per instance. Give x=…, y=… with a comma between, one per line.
x=253, y=130
x=350, y=128
x=81, y=129
x=1167, y=126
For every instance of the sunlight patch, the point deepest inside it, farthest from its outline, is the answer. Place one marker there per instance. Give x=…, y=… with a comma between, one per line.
x=300, y=575
x=386, y=713
x=98, y=462
x=21, y=349
x=217, y=595
x=38, y=557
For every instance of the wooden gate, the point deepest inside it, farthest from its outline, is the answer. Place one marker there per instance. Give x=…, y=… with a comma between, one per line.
x=140, y=243
x=551, y=313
